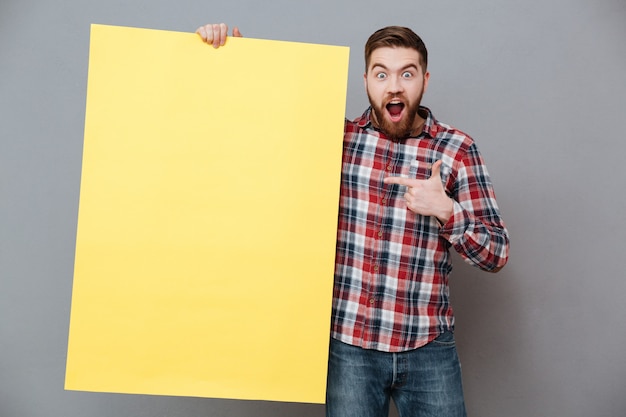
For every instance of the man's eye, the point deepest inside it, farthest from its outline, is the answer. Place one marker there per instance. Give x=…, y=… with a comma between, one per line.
x=406, y=74
x=381, y=75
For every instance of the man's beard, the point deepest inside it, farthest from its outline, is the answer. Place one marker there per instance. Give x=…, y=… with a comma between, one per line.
x=399, y=130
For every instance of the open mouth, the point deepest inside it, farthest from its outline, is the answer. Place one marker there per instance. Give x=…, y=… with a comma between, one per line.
x=395, y=109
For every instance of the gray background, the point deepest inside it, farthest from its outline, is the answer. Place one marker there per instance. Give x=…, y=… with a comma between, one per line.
x=538, y=83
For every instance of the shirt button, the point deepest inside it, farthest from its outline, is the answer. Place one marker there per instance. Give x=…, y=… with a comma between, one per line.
x=375, y=267
x=372, y=301
x=384, y=201
x=380, y=234
x=388, y=167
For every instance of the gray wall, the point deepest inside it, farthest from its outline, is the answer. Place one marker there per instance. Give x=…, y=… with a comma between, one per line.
x=540, y=85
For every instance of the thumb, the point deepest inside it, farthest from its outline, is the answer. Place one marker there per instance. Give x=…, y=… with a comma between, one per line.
x=237, y=33
x=436, y=169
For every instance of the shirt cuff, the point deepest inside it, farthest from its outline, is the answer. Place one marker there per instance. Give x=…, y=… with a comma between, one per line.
x=454, y=229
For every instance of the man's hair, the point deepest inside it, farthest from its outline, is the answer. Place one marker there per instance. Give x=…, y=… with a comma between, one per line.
x=396, y=36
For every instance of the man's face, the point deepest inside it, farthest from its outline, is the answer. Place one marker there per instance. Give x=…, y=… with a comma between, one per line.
x=395, y=83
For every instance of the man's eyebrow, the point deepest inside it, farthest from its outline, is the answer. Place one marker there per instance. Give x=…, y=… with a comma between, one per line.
x=401, y=69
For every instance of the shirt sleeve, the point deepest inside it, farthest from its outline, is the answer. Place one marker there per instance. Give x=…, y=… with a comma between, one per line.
x=476, y=229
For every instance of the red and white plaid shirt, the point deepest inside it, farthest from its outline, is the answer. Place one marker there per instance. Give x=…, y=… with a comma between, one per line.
x=391, y=275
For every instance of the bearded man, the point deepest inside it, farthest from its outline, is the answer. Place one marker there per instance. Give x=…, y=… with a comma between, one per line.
x=411, y=189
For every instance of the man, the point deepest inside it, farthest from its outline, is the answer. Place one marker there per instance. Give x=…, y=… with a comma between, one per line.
x=411, y=188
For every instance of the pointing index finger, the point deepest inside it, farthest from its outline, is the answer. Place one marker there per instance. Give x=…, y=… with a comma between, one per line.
x=398, y=180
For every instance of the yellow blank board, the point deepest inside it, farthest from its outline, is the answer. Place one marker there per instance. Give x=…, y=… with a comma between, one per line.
x=207, y=218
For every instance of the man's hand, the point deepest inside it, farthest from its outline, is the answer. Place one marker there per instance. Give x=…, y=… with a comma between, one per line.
x=216, y=33
x=426, y=197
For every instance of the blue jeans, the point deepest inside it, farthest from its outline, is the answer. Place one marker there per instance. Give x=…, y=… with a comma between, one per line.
x=424, y=382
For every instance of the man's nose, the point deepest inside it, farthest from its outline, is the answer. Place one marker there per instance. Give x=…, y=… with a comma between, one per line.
x=395, y=85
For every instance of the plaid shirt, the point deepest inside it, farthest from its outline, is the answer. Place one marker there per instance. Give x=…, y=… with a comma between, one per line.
x=391, y=275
